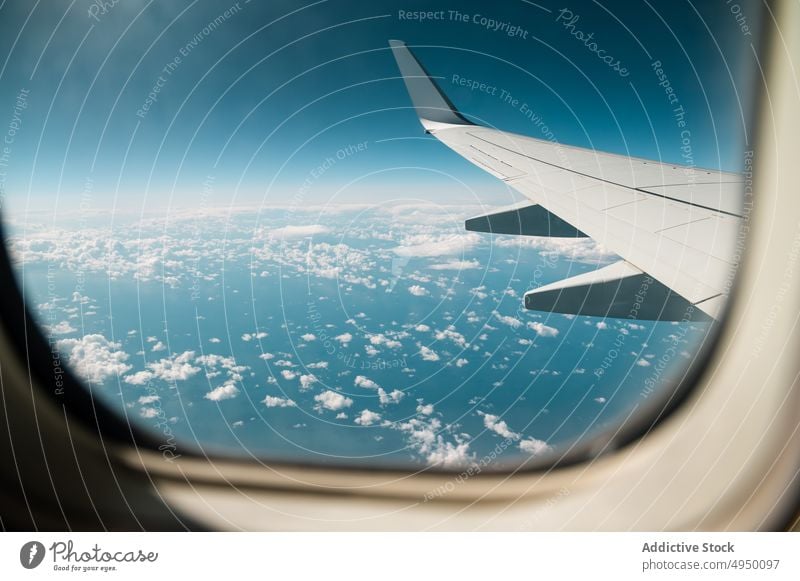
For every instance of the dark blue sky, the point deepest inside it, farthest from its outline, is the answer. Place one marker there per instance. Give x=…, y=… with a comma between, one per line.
x=275, y=89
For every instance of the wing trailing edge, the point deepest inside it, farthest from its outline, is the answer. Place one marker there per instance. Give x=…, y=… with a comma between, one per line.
x=619, y=290
x=523, y=219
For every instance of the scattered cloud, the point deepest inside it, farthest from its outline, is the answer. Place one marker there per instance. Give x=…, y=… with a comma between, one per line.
x=295, y=232
x=344, y=339
x=306, y=381
x=512, y=322
x=331, y=400
x=272, y=401
x=179, y=367
x=456, y=265
x=541, y=329
x=138, y=378
x=95, y=358
x=499, y=427
x=431, y=245
x=428, y=354
x=534, y=447
x=389, y=398
x=62, y=328
x=367, y=418
x=252, y=336
x=365, y=382
x=223, y=392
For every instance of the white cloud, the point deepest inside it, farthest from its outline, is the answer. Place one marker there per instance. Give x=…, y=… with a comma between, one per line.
x=215, y=340
x=224, y=391
x=541, y=329
x=534, y=447
x=308, y=337
x=418, y=291
x=175, y=368
x=344, y=338
x=330, y=400
x=428, y=354
x=138, y=378
x=426, y=436
x=365, y=382
x=148, y=399
x=159, y=346
x=62, y=328
x=422, y=328
x=425, y=410
x=461, y=362
x=512, y=322
x=367, y=418
x=429, y=245
x=294, y=232
x=601, y=325
x=278, y=402
x=583, y=250
x=451, y=334
x=643, y=363
x=318, y=365
x=148, y=413
x=306, y=381
x=499, y=427
x=449, y=454
x=388, y=398
x=381, y=339
x=94, y=357
x=213, y=362
x=456, y=265
x=251, y=336
x=288, y=375
x=478, y=292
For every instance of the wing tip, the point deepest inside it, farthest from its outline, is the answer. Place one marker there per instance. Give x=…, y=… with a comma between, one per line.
x=434, y=108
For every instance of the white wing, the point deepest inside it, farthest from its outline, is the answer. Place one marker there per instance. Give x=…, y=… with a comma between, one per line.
x=675, y=227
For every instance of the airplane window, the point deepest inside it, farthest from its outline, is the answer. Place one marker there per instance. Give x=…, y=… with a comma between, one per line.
x=378, y=234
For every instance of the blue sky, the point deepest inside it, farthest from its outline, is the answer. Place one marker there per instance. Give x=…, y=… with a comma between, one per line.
x=260, y=101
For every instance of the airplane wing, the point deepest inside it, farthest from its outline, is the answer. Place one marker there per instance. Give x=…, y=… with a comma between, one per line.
x=675, y=228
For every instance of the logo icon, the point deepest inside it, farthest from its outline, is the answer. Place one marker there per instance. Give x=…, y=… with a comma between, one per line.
x=31, y=554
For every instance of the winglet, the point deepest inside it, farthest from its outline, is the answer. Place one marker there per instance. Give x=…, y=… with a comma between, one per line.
x=434, y=109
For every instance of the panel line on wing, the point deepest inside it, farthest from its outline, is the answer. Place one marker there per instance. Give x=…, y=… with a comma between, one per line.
x=637, y=189
x=681, y=225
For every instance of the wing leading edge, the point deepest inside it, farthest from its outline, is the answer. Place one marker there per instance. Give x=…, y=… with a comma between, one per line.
x=675, y=227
